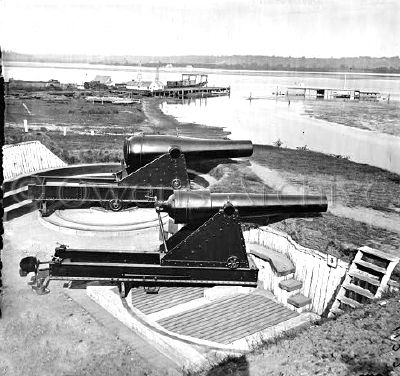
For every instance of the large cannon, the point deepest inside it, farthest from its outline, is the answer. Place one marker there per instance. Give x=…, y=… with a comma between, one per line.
x=155, y=165
x=208, y=251
x=141, y=149
x=197, y=206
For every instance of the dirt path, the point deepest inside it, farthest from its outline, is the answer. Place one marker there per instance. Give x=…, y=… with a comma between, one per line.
x=371, y=217
x=274, y=179
x=207, y=177
x=154, y=115
x=158, y=122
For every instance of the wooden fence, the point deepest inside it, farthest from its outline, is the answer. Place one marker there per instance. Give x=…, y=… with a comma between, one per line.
x=28, y=157
x=320, y=281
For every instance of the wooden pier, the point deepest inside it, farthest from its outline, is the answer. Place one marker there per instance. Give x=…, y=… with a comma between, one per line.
x=192, y=92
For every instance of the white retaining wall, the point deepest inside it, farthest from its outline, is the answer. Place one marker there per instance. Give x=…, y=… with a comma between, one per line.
x=320, y=280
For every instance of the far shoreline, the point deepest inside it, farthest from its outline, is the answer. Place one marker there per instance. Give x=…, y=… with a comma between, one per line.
x=178, y=69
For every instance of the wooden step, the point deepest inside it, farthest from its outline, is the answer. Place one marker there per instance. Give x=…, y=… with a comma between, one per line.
x=380, y=254
x=290, y=285
x=365, y=278
x=349, y=302
x=337, y=311
x=299, y=300
x=368, y=265
x=359, y=290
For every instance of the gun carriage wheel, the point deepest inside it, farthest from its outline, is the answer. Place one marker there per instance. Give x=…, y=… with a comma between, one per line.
x=123, y=289
x=151, y=289
x=176, y=184
x=116, y=204
x=233, y=262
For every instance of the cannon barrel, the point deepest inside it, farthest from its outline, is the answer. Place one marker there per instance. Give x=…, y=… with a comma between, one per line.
x=142, y=149
x=197, y=206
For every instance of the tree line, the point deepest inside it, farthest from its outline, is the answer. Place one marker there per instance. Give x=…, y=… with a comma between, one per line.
x=248, y=62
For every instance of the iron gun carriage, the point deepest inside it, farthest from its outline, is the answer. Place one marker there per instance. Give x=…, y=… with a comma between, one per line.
x=155, y=165
x=208, y=250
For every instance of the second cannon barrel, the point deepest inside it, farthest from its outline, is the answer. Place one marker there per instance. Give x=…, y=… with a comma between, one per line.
x=142, y=149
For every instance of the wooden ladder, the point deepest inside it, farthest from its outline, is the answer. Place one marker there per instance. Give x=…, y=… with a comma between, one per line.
x=366, y=279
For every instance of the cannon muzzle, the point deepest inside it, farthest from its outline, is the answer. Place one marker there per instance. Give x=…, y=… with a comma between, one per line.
x=198, y=206
x=142, y=149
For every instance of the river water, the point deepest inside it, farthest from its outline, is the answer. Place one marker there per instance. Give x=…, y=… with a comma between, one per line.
x=263, y=120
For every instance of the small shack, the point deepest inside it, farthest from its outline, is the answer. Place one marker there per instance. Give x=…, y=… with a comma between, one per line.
x=104, y=80
x=144, y=86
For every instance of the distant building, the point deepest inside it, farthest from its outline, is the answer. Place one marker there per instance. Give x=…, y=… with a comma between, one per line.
x=169, y=66
x=138, y=85
x=53, y=84
x=144, y=85
x=99, y=83
x=103, y=80
x=156, y=85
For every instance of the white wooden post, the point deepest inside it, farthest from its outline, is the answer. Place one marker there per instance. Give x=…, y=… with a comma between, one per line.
x=26, y=125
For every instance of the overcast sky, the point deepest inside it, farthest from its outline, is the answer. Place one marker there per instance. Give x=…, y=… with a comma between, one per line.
x=312, y=28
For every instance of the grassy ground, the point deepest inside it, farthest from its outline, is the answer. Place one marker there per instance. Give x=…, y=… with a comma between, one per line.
x=111, y=124
x=341, y=235
x=74, y=147
x=74, y=112
x=48, y=119
x=343, y=181
x=373, y=115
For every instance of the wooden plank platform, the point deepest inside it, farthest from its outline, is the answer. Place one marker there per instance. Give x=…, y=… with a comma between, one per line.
x=229, y=319
x=167, y=297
